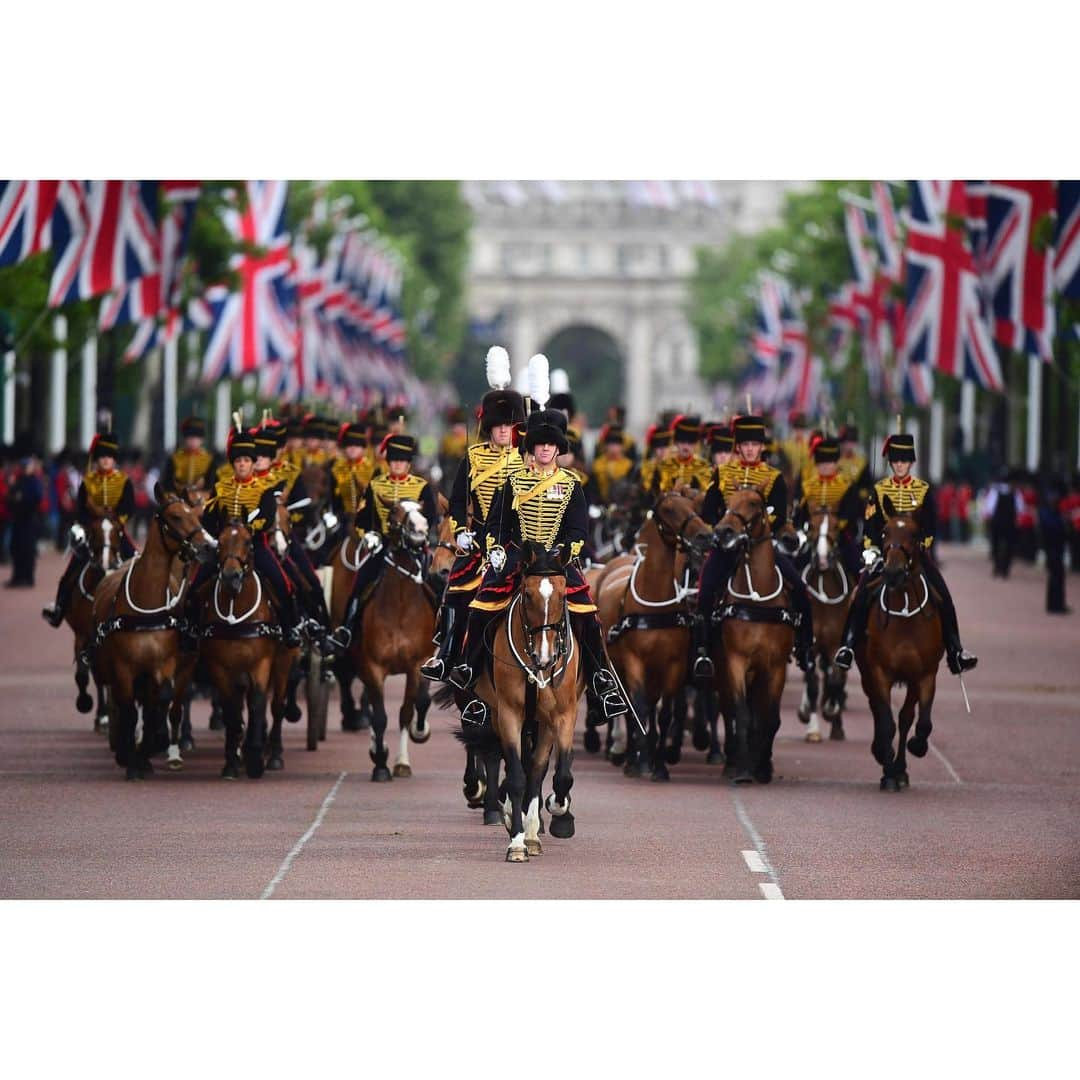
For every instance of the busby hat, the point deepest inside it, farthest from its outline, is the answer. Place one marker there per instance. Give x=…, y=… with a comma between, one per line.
x=501, y=404
x=294, y=427
x=241, y=444
x=398, y=447
x=265, y=442
x=545, y=426
x=564, y=402
x=826, y=449
x=313, y=427
x=849, y=433
x=612, y=433
x=104, y=444
x=192, y=427
x=658, y=436
x=899, y=447
x=721, y=441
x=455, y=414
x=686, y=429
x=748, y=429
x=561, y=398
x=352, y=435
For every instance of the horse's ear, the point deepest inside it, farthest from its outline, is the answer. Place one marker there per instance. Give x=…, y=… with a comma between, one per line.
x=528, y=553
x=443, y=504
x=562, y=555
x=185, y=494
x=159, y=493
x=887, y=506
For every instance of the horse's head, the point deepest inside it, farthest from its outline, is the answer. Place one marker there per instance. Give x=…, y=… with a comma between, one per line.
x=680, y=526
x=406, y=525
x=102, y=538
x=445, y=549
x=316, y=483
x=235, y=554
x=823, y=536
x=901, y=545
x=543, y=603
x=745, y=521
x=181, y=525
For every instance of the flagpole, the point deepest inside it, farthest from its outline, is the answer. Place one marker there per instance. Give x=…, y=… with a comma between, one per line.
x=9, y=397
x=967, y=414
x=88, y=390
x=1034, y=424
x=222, y=410
x=58, y=387
x=168, y=396
x=937, y=440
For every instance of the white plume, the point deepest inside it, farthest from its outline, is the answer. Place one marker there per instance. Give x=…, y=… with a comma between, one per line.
x=498, y=368
x=238, y=420
x=560, y=382
x=521, y=382
x=539, y=380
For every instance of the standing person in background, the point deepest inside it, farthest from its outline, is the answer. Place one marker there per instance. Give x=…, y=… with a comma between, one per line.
x=1070, y=511
x=964, y=496
x=1003, y=508
x=6, y=472
x=26, y=495
x=1027, y=541
x=452, y=447
x=1052, y=530
x=65, y=484
x=946, y=508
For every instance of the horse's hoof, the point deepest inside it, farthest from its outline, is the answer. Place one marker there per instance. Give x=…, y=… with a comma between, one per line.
x=175, y=762
x=673, y=755
x=533, y=847
x=493, y=817
x=515, y=854
x=101, y=725
x=132, y=773
x=635, y=769
x=763, y=776
x=701, y=737
x=380, y=774
x=836, y=734
x=350, y=723
x=715, y=757
x=293, y=714
x=804, y=717
x=660, y=774
x=187, y=744
x=562, y=826
x=84, y=703
x=889, y=783
x=420, y=733
x=254, y=765
x=230, y=772
x=813, y=736
x=903, y=780
x=617, y=759
x=216, y=722
x=917, y=746
x=276, y=763
x=402, y=770
x=592, y=741
x=743, y=776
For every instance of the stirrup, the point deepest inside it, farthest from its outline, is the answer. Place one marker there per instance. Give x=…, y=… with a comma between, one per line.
x=844, y=658
x=603, y=682
x=475, y=713
x=341, y=638
x=703, y=667
x=434, y=669
x=613, y=705
x=462, y=676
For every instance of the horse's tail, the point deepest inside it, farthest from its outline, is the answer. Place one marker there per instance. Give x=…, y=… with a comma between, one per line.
x=445, y=696
x=479, y=739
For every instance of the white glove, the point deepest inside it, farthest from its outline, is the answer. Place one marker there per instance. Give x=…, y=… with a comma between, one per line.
x=78, y=534
x=870, y=556
x=373, y=542
x=330, y=520
x=595, y=512
x=497, y=558
x=465, y=541
x=280, y=543
x=802, y=538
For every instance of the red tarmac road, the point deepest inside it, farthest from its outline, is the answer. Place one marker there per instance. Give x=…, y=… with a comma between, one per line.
x=993, y=810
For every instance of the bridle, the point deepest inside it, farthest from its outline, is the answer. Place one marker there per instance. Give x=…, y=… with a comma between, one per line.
x=673, y=538
x=542, y=672
x=748, y=525
x=185, y=548
x=244, y=563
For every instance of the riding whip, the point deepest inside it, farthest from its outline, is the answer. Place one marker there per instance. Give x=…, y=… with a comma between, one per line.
x=963, y=688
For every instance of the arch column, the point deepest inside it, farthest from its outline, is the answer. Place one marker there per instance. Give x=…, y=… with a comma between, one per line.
x=523, y=342
x=639, y=373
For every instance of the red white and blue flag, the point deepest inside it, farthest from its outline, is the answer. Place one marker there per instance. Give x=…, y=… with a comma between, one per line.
x=1067, y=240
x=943, y=327
x=26, y=210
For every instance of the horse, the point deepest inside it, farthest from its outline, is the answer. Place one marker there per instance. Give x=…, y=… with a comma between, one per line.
x=318, y=539
x=136, y=641
x=620, y=520
x=904, y=643
x=534, y=687
x=642, y=609
x=830, y=590
x=242, y=648
x=104, y=556
x=396, y=628
x=750, y=654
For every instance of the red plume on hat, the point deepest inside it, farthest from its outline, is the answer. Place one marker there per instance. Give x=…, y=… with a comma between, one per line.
x=341, y=431
x=814, y=442
x=382, y=445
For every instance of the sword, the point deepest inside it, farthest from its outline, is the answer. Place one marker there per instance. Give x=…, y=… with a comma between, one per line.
x=963, y=688
x=629, y=701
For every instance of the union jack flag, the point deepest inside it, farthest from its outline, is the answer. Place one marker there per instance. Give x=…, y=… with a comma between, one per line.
x=843, y=319
x=1067, y=240
x=26, y=210
x=1018, y=263
x=869, y=294
x=887, y=233
x=943, y=325
x=104, y=234
x=255, y=326
x=767, y=340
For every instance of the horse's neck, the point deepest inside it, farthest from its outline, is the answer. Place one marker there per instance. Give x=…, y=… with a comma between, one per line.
x=150, y=572
x=762, y=568
x=658, y=567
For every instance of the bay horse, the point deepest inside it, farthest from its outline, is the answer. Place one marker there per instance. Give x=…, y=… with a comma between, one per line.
x=101, y=539
x=830, y=588
x=643, y=612
x=241, y=644
x=136, y=640
x=903, y=644
x=750, y=654
x=534, y=688
x=396, y=627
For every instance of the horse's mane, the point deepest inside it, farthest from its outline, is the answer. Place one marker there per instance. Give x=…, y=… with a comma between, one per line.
x=542, y=562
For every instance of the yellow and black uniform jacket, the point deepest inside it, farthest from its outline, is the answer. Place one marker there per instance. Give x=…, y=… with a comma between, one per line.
x=286, y=476
x=856, y=469
x=111, y=490
x=351, y=480
x=480, y=477
x=234, y=498
x=912, y=495
x=186, y=468
x=835, y=492
x=730, y=477
x=605, y=472
x=547, y=507
x=384, y=492
x=672, y=472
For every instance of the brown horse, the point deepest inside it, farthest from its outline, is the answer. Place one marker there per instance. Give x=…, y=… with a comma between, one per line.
x=396, y=627
x=903, y=644
x=534, y=691
x=750, y=654
x=830, y=587
x=136, y=641
x=643, y=611
x=101, y=539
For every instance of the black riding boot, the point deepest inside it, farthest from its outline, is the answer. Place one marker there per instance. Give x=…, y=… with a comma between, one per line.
x=468, y=671
x=956, y=656
x=289, y=616
x=54, y=615
x=855, y=627
x=701, y=647
x=598, y=675
x=342, y=637
x=451, y=625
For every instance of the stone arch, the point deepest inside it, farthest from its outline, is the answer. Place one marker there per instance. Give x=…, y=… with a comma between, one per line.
x=595, y=361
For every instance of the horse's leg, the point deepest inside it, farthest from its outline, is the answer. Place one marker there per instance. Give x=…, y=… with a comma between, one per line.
x=275, y=757
x=767, y=694
x=736, y=676
x=534, y=783
x=707, y=702
x=290, y=707
x=919, y=743
x=834, y=699
x=83, y=702
x=402, y=766
x=378, y=751
x=699, y=736
x=906, y=717
x=619, y=739
x=661, y=712
x=492, y=759
x=473, y=786
x=558, y=803
x=515, y=789
x=808, y=712
x=101, y=715
x=127, y=715
x=345, y=671
x=255, y=735
x=637, y=744
x=228, y=702
x=884, y=732
x=419, y=728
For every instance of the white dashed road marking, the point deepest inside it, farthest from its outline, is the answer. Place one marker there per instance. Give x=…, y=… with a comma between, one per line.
x=758, y=859
x=945, y=761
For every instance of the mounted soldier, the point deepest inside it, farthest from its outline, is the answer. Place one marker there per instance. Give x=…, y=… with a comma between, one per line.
x=480, y=477
x=657, y=448
x=546, y=505
x=612, y=465
x=721, y=444
x=397, y=485
x=352, y=471
x=252, y=500
x=853, y=463
x=824, y=485
x=901, y=493
x=746, y=469
x=684, y=465
x=105, y=492
x=191, y=465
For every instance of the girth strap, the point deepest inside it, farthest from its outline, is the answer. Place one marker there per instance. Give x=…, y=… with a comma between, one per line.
x=241, y=631
x=658, y=620
x=132, y=623
x=756, y=614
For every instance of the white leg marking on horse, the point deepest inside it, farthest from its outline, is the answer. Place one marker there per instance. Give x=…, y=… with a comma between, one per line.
x=532, y=820
x=618, y=736
x=403, y=748
x=755, y=862
x=546, y=589
x=945, y=761
x=507, y=812
x=771, y=890
x=814, y=725
x=517, y=840
x=283, y=869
